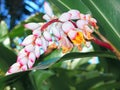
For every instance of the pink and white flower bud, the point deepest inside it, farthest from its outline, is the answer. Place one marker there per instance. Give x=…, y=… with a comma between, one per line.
x=14, y=68
x=32, y=25
x=75, y=14
x=24, y=68
x=38, y=41
x=65, y=44
x=29, y=48
x=37, y=51
x=28, y=40
x=47, y=36
x=32, y=57
x=37, y=32
x=88, y=29
x=21, y=54
x=93, y=22
x=44, y=44
x=23, y=61
x=87, y=16
x=65, y=17
x=56, y=33
x=48, y=9
x=82, y=16
x=67, y=26
x=81, y=23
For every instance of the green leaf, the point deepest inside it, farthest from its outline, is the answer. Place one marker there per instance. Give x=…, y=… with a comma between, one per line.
x=74, y=55
x=65, y=5
x=11, y=79
x=48, y=60
x=7, y=57
x=93, y=81
x=107, y=14
x=55, y=57
x=108, y=86
x=39, y=77
x=20, y=30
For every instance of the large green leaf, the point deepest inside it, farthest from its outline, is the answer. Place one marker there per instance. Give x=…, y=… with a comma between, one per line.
x=74, y=55
x=107, y=13
x=56, y=57
x=65, y=5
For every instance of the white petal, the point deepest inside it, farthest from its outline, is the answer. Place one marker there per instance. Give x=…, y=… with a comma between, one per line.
x=21, y=56
x=81, y=23
x=16, y=65
x=56, y=31
x=65, y=17
x=32, y=57
x=32, y=25
x=93, y=20
x=29, y=48
x=48, y=9
x=37, y=32
x=38, y=41
x=46, y=17
x=88, y=44
x=72, y=34
x=47, y=35
x=28, y=40
x=22, y=52
x=67, y=26
x=37, y=51
x=23, y=61
x=30, y=64
x=44, y=44
x=75, y=14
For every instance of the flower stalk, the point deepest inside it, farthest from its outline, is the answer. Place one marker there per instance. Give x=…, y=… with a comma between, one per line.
x=106, y=43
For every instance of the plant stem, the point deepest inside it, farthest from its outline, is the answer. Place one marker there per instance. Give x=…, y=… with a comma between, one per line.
x=106, y=43
x=48, y=23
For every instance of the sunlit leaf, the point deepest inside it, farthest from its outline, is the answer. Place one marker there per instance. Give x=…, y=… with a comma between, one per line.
x=3, y=30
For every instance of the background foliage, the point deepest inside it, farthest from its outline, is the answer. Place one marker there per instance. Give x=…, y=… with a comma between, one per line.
x=72, y=71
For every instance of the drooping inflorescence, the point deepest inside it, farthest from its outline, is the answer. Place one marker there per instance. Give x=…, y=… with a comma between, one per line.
x=71, y=29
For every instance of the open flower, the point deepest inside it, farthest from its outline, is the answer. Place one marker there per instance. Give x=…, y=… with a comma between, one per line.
x=76, y=37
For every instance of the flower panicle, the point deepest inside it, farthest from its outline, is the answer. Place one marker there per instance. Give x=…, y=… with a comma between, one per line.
x=71, y=29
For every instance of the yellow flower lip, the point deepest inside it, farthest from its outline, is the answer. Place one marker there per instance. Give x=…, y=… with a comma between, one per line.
x=78, y=38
